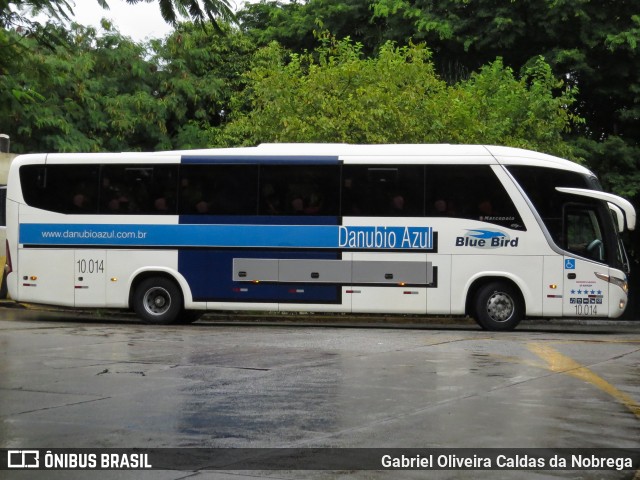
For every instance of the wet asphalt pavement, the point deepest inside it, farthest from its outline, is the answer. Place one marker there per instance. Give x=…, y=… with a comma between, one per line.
x=72, y=381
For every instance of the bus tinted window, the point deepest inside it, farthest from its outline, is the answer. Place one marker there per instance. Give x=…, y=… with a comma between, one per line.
x=299, y=190
x=469, y=191
x=61, y=188
x=540, y=186
x=383, y=190
x=583, y=232
x=138, y=189
x=218, y=189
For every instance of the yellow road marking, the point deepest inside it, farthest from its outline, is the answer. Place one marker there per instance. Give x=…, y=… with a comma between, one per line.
x=569, y=342
x=556, y=362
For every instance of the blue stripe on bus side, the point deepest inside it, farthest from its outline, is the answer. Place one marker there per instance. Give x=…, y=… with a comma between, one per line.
x=229, y=236
x=210, y=277
x=142, y=235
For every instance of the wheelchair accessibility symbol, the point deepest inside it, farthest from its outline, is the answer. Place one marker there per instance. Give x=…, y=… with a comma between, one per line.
x=570, y=264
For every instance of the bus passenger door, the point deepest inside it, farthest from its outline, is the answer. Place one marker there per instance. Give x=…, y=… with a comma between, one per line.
x=89, y=278
x=585, y=295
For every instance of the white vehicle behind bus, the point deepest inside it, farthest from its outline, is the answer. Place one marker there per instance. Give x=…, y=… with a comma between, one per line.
x=493, y=232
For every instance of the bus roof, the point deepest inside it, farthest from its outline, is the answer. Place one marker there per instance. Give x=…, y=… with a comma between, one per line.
x=421, y=152
x=402, y=153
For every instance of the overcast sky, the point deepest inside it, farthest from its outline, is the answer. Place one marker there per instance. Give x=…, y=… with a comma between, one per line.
x=140, y=21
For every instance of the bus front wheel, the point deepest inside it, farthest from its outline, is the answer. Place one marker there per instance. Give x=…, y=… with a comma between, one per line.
x=498, y=306
x=157, y=300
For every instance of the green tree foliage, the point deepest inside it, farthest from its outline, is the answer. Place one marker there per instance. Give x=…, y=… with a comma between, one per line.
x=336, y=94
x=107, y=93
x=199, y=72
x=94, y=96
x=594, y=46
x=294, y=24
x=22, y=49
x=12, y=12
x=14, y=25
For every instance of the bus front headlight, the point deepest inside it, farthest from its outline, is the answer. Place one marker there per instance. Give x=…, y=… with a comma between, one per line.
x=615, y=281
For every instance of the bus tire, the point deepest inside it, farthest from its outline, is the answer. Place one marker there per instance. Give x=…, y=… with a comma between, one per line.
x=498, y=306
x=190, y=316
x=158, y=300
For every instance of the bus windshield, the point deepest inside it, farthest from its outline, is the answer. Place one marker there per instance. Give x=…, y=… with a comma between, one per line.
x=577, y=223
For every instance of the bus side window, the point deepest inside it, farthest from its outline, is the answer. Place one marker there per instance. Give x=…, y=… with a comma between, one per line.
x=71, y=189
x=141, y=190
x=32, y=179
x=472, y=192
x=299, y=190
x=383, y=190
x=218, y=189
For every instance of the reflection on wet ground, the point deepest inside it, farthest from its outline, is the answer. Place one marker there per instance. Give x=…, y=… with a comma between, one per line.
x=78, y=382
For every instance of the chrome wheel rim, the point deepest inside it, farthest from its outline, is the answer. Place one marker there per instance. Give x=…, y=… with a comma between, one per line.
x=500, y=307
x=157, y=301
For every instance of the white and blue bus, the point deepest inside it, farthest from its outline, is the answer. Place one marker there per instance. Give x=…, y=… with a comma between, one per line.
x=493, y=232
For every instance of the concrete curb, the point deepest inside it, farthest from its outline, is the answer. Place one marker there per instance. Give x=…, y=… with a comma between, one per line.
x=323, y=318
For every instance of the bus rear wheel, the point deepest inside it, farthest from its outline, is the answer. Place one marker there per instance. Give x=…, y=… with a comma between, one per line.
x=498, y=306
x=158, y=300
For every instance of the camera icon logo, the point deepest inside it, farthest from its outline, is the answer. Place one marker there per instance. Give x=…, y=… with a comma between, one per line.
x=23, y=459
